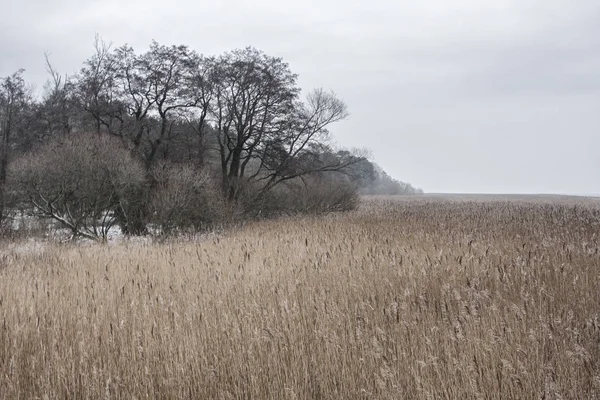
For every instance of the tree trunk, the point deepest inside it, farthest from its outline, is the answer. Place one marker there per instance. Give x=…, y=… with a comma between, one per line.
x=234, y=174
x=132, y=213
x=132, y=221
x=6, y=127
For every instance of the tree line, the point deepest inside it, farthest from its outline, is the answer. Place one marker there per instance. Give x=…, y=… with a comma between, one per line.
x=173, y=140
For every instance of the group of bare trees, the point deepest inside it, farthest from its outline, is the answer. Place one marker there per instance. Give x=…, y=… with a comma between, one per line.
x=172, y=138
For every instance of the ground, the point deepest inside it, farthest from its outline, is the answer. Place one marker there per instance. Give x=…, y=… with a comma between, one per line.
x=409, y=297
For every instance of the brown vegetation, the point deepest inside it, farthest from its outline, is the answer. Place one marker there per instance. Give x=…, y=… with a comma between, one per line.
x=419, y=298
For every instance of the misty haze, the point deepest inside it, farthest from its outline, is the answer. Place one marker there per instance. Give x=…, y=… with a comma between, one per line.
x=283, y=200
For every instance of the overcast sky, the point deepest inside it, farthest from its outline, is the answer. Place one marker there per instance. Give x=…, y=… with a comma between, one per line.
x=463, y=96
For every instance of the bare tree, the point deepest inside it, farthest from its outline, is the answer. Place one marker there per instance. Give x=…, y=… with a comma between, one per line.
x=204, y=83
x=254, y=96
x=97, y=89
x=155, y=87
x=58, y=109
x=266, y=136
x=14, y=99
x=301, y=148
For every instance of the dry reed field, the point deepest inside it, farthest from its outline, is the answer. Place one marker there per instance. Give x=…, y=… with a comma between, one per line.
x=417, y=298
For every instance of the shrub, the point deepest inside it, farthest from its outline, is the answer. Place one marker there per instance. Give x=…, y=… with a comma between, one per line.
x=185, y=198
x=316, y=195
x=84, y=182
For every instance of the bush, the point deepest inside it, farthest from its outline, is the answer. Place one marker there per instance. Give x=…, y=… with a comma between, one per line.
x=185, y=198
x=316, y=195
x=87, y=183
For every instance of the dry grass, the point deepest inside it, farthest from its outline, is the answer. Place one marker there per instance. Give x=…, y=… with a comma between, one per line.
x=425, y=298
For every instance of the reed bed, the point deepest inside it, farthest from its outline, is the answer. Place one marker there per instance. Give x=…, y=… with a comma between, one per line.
x=420, y=298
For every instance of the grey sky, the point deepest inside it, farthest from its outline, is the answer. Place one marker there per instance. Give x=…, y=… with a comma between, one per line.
x=450, y=95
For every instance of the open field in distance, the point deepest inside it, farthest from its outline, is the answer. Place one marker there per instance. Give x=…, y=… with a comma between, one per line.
x=457, y=297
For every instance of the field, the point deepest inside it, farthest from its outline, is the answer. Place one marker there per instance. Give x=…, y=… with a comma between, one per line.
x=418, y=298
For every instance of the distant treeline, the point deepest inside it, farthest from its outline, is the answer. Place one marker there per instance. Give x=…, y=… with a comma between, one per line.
x=383, y=184
x=173, y=140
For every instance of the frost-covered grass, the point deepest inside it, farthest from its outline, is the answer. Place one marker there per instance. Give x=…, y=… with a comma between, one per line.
x=423, y=297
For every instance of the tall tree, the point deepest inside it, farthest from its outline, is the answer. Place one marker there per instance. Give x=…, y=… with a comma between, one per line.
x=204, y=83
x=14, y=100
x=58, y=108
x=97, y=90
x=301, y=147
x=155, y=88
x=254, y=97
x=266, y=134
